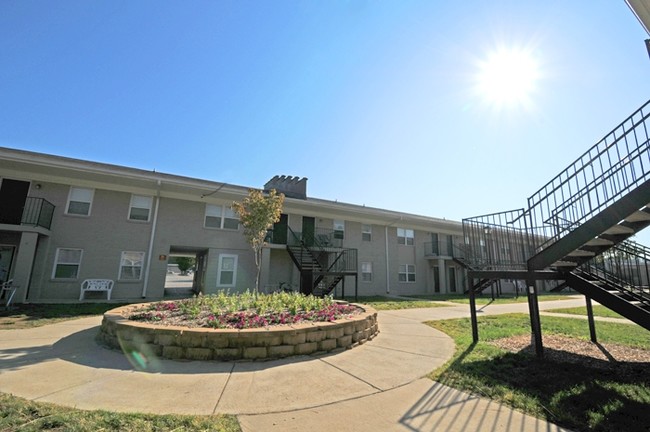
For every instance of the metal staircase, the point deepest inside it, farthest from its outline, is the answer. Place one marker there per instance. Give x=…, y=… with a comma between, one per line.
x=322, y=261
x=577, y=226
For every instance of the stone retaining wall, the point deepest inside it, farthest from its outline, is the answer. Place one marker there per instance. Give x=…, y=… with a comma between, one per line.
x=251, y=344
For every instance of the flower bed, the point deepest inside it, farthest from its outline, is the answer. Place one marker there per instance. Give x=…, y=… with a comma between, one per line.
x=245, y=310
x=210, y=332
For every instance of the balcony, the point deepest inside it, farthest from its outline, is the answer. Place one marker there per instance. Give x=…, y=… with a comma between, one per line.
x=321, y=238
x=36, y=212
x=443, y=249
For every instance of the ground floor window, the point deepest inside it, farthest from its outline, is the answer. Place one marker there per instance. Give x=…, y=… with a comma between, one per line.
x=131, y=265
x=366, y=272
x=227, y=271
x=67, y=263
x=406, y=273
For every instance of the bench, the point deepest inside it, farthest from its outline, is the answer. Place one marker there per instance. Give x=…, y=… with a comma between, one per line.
x=7, y=291
x=96, y=285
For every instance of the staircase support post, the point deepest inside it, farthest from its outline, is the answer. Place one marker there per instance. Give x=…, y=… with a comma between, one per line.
x=535, y=324
x=472, y=309
x=590, y=318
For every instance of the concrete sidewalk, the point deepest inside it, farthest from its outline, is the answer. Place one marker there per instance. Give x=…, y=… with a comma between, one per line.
x=374, y=387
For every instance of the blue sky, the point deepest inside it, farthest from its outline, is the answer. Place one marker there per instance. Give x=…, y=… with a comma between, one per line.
x=376, y=102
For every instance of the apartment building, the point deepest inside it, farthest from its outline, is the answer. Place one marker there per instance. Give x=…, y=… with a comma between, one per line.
x=65, y=220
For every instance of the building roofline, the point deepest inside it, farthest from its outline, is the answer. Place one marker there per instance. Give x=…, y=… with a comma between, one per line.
x=362, y=212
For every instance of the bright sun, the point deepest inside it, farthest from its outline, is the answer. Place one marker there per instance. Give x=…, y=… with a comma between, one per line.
x=507, y=78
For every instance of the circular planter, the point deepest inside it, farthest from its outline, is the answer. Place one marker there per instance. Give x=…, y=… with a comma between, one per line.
x=175, y=342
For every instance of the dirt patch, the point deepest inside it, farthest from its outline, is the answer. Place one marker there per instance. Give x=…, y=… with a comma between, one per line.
x=566, y=349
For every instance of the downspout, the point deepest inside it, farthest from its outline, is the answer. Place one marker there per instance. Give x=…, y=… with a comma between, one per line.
x=387, y=263
x=151, y=239
x=387, y=260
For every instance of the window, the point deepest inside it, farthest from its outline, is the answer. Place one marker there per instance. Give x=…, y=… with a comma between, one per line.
x=405, y=236
x=140, y=207
x=67, y=263
x=131, y=265
x=366, y=232
x=339, y=229
x=218, y=216
x=406, y=273
x=227, y=271
x=79, y=201
x=366, y=272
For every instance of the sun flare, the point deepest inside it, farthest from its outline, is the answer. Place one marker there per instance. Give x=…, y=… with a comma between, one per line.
x=508, y=78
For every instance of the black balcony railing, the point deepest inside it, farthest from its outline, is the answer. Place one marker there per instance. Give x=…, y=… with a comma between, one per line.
x=37, y=212
x=444, y=249
x=496, y=241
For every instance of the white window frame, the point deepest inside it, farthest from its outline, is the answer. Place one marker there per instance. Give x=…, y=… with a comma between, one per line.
x=339, y=229
x=136, y=203
x=405, y=236
x=71, y=193
x=405, y=271
x=141, y=266
x=366, y=231
x=57, y=263
x=220, y=270
x=226, y=215
x=366, y=272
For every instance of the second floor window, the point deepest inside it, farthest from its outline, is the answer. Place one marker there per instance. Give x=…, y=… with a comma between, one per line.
x=219, y=216
x=79, y=201
x=339, y=229
x=140, y=208
x=405, y=236
x=366, y=232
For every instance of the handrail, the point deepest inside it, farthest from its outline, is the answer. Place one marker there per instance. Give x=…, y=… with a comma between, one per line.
x=595, y=146
x=609, y=169
x=626, y=266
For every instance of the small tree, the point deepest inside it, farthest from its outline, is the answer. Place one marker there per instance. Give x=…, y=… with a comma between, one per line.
x=257, y=214
x=184, y=264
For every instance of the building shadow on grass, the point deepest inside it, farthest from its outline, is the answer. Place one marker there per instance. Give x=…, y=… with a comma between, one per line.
x=576, y=391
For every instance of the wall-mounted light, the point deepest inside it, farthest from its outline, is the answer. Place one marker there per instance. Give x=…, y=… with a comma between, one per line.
x=37, y=186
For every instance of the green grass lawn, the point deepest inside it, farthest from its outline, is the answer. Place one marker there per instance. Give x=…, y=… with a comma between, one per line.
x=17, y=414
x=35, y=315
x=572, y=395
x=391, y=303
x=599, y=310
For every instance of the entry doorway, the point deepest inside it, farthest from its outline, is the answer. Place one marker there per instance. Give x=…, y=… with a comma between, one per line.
x=6, y=260
x=13, y=194
x=185, y=272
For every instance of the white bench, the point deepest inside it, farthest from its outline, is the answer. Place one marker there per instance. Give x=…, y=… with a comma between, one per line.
x=96, y=285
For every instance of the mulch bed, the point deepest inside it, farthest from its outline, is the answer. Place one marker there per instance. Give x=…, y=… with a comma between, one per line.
x=566, y=349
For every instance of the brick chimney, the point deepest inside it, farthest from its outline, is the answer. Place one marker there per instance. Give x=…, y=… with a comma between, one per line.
x=291, y=187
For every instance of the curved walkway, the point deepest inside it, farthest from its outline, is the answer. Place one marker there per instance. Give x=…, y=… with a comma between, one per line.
x=375, y=387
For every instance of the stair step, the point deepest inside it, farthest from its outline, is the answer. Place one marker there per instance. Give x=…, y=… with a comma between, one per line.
x=564, y=264
x=581, y=253
x=619, y=229
x=599, y=242
x=638, y=216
